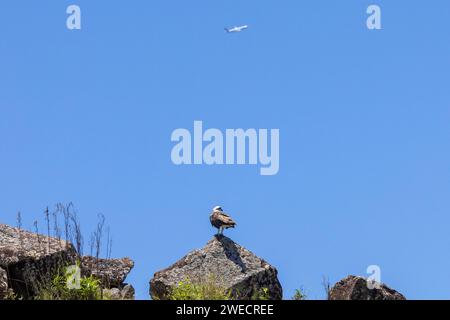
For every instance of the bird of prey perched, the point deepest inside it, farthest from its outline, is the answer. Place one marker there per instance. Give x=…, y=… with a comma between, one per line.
x=221, y=220
x=236, y=29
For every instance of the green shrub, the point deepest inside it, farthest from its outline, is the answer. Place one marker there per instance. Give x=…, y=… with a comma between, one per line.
x=299, y=295
x=203, y=290
x=209, y=289
x=58, y=289
x=261, y=294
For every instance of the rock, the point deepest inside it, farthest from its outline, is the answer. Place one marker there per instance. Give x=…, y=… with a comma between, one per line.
x=231, y=267
x=31, y=259
x=125, y=293
x=111, y=272
x=356, y=288
x=3, y=284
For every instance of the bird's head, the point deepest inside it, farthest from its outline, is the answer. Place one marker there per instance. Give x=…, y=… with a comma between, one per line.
x=218, y=208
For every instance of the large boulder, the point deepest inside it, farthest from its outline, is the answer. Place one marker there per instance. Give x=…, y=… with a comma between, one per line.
x=3, y=284
x=111, y=272
x=357, y=288
x=230, y=266
x=31, y=259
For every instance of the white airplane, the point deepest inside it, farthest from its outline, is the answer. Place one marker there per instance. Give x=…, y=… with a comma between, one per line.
x=236, y=29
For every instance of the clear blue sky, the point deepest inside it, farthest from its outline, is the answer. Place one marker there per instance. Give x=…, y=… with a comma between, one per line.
x=86, y=116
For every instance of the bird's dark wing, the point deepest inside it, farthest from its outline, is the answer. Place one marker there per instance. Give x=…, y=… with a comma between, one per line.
x=225, y=219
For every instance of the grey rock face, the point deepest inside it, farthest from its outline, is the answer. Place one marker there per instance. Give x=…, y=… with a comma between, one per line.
x=355, y=288
x=31, y=259
x=232, y=267
x=111, y=272
x=3, y=284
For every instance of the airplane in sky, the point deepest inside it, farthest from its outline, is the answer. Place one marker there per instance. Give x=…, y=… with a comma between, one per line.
x=236, y=29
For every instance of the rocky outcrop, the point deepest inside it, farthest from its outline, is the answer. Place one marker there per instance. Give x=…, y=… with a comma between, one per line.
x=356, y=288
x=31, y=259
x=231, y=266
x=3, y=284
x=112, y=274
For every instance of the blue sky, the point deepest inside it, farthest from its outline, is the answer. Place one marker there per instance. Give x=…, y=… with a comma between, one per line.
x=86, y=116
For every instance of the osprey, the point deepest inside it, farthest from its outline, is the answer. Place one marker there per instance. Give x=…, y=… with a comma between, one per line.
x=236, y=29
x=221, y=220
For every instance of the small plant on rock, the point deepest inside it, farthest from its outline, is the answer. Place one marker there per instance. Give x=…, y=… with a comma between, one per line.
x=262, y=294
x=299, y=295
x=88, y=288
x=202, y=290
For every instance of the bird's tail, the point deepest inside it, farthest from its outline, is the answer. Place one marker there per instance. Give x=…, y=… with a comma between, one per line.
x=227, y=30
